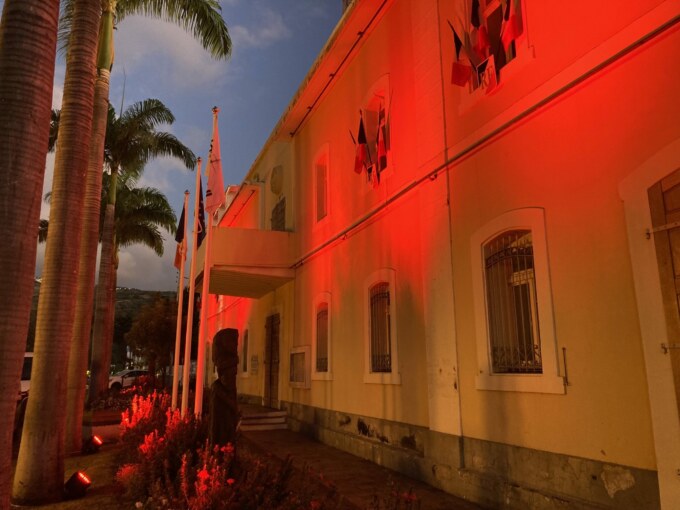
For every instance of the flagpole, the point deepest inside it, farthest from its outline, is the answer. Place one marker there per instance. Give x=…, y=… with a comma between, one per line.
x=192, y=291
x=202, y=326
x=180, y=303
x=214, y=198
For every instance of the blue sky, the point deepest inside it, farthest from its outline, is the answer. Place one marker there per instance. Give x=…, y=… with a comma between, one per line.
x=275, y=43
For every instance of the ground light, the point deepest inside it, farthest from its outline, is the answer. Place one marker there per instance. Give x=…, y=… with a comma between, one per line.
x=92, y=444
x=76, y=486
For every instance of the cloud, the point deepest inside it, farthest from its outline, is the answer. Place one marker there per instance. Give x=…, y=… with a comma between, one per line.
x=164, y=174
x=163, y=53
x=139, y=267
x=270, y=28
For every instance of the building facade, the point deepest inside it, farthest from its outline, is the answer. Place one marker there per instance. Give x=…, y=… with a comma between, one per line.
x=455, y=255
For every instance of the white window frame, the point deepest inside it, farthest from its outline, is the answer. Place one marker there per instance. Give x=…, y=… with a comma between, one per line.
x=324, y=297
x=394, y=377
x=306, y=384
x=322, y=157
x=550, y=380
x=241, y=372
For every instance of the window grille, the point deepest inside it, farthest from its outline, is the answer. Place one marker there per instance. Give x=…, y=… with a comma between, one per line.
x=381, y=359
x=279, y=215
x=511, y=304
x=244, y=353
x=321, y=191
x=322, y=338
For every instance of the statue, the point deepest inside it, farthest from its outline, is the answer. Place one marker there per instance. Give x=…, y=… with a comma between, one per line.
x=223, y=417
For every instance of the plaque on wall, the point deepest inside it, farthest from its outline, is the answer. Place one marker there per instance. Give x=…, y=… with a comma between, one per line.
x=254, y=363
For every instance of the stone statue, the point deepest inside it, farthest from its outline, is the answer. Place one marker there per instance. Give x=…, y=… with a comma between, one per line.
x=223, y=400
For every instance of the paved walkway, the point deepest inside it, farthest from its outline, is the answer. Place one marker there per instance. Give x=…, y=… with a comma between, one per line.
x=358, y=480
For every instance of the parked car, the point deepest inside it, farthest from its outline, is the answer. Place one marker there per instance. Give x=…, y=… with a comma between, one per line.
x=26, y=372
x=125, y=378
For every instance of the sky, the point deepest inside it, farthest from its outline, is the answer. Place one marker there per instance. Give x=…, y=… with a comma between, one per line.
x=275, y=43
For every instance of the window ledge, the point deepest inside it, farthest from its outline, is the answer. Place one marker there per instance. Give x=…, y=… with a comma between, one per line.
x=382, y=378
x=527, y=383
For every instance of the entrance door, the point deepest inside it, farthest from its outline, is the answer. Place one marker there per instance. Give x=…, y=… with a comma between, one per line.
x=664, y=203
x=271, y=361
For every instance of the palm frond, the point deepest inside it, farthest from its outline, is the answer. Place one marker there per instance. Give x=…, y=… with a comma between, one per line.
x=201, y=18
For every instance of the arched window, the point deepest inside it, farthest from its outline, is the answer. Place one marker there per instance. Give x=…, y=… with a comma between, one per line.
x=322, y=338
x=516, y=345
x=511, y=304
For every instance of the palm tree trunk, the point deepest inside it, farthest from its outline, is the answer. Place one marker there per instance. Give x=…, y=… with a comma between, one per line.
x=99, y=369
x=39, y=475
x=80, y=344
x=28, y=39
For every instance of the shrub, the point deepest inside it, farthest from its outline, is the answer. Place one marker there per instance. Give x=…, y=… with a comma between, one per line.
x=145, y=415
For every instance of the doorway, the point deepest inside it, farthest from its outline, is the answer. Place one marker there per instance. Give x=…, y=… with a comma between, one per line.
x=271, y=361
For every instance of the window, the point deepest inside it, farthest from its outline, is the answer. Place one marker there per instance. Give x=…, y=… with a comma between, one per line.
x=321, y=337
x=381, y=339
x=244, y=354
x=279, y=215
x=500, y=23
x=320, y=182
x=380, y=328
x=513, y=305
x=299, y=367
x=487, y=35
x=321, y=191
x=373, y=161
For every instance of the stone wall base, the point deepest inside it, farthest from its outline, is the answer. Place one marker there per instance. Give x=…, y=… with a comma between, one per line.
x=491, y=474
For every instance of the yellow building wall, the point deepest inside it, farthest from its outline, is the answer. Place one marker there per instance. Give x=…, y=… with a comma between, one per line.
x=569, y=158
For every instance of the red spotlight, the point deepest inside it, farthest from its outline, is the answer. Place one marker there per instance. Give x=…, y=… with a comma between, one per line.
x=76, y=486
x=92, y=444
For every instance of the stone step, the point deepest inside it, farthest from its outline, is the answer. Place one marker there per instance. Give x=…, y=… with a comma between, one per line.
x=248, y=420
x=269, y=426
x=264, y=414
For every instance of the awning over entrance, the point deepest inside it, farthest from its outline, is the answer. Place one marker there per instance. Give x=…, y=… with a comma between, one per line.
x=249, y=262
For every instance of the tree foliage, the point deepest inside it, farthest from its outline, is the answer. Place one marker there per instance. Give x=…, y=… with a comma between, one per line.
x=152, y=335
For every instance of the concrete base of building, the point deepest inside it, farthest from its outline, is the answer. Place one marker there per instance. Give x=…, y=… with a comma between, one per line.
x=491, y=474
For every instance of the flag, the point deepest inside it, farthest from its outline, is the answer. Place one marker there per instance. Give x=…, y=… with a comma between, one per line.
x=479, y=36
x=179, y=237
x=214, y=194
x=380, y=142
x=512, y=22
x=461, y=70
x=361, y=157
x=201, y=215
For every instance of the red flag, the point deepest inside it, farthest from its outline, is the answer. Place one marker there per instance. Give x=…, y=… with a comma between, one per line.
x=380, y=142
x=461, y=70
x=214, y=194
x=179, y=237
x=479, y=37
x=512, y=22
x=201, y=215
x=361, y=156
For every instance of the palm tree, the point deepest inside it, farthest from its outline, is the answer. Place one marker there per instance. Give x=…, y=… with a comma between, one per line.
x=24, y=123
x=131, y=140
x=42, y=480
x=203, y=19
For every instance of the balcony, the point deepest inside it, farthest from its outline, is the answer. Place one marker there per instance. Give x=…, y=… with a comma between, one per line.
x=248, y=262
